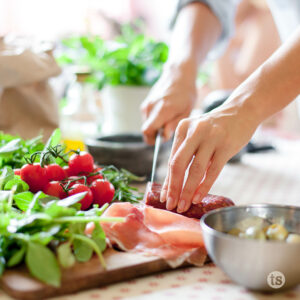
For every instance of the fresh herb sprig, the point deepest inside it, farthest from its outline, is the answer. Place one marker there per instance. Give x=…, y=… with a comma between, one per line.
x=121, y=180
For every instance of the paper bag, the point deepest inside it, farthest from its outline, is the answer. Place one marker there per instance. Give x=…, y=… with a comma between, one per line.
x=28, y=105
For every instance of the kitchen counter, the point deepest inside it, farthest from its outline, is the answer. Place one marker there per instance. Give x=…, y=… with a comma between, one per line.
x=272, y=177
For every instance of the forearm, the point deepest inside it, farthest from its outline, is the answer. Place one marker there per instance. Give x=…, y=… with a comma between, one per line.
x=195, y=32
x=271, y=87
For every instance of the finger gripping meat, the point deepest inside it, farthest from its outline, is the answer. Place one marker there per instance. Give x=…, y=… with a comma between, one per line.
x=208, y=203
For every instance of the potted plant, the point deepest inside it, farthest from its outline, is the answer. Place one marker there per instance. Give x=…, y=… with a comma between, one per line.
x=124, y=69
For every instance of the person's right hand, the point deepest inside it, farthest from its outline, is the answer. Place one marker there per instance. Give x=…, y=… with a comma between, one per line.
x=170, y=100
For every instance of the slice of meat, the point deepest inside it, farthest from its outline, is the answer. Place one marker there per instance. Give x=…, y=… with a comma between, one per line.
x=208, y=203
x=156, y=232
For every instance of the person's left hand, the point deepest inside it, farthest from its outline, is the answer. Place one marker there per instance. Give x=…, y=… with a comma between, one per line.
x=202, y=145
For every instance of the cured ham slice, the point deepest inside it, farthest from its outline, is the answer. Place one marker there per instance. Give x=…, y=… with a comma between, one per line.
x=156, y=232
x=208, y=203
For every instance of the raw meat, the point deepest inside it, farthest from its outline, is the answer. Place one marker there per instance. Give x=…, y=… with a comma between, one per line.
x=156, y=232
x=209, y=202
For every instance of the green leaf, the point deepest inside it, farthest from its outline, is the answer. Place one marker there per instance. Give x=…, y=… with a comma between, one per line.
x=4, y=195
x=42, y=264
x=17, y=257
x=23, y=200
x=71, y=200
x=98, y=236
x=10, y=147
x=44, y=237
x=54, y=140
x=2, y=265
x=56, y=211
x=65, y=255
x=6, y=175
x=92, y=244
x=82, y=250
x=21, y=185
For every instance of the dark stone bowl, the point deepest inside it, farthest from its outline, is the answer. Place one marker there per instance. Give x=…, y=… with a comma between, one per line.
x=127, y=151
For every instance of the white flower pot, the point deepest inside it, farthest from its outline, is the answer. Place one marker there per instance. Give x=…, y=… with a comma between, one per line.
x=121, y=108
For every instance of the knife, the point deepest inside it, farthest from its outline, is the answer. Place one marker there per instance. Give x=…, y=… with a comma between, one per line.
x=158, y=140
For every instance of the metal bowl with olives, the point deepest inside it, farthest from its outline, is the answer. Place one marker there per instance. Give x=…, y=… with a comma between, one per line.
x=252, y=242
x=263, y=229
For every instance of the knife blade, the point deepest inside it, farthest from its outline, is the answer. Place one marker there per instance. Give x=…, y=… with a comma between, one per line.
x=158, y=140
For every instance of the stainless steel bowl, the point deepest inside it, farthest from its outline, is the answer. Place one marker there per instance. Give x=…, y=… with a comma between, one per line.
x=251, y=262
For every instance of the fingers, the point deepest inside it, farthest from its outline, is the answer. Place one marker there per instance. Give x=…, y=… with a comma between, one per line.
x=169, y=128
x=180, y=135
x=178, y=165
x=195, y=175
x=154, y=122
x=217, y=163
x=146, y=108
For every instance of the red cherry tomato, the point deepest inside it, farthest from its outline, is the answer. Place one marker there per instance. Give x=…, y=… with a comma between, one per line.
x=90, y=179
x=55, y=172
x=17, y=171
x=74, y=180
x=81, y=163
x=87, y=201
x=67, y=170
x=103, y=191
x=35, y=176
x=55, y=189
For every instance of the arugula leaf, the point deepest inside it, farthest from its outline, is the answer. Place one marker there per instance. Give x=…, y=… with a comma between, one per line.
x=21, y=185
x=16, y=158
x=17, y=257
x=82, y=250
x=54, y=140
x=10, y=147
x=65, y=255
x=98, y=236
x=6, y=175
x=71, y=200
x=42, y=264
x=23, y=200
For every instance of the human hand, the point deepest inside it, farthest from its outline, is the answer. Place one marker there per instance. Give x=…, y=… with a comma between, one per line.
x=170, y=100
x=202, y=145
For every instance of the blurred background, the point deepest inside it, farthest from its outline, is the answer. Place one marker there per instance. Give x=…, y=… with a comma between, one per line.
x=104, y=56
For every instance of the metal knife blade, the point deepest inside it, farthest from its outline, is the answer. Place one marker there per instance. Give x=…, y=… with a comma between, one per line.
x=158, y=140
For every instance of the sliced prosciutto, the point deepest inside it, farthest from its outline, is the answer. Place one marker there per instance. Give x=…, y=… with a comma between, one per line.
x=208, y=203
x=156, y=232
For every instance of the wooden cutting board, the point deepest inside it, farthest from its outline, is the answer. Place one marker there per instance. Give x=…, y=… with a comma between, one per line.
x=120, y=266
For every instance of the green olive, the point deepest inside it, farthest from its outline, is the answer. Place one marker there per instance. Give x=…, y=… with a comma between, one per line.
x=276, y=232
x=293, y=238
x=234, y=231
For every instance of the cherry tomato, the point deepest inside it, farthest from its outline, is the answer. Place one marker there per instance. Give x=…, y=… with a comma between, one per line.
x=74, y=180
x=90, y=179
x=81, y=163
x=87, y=201
x=67, y=170
x=55, y=189
x=103, y=191
x=35, y=176
x=17, y=171
x=55, y=172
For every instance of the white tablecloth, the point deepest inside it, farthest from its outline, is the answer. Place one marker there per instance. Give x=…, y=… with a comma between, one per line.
x=272, y=177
